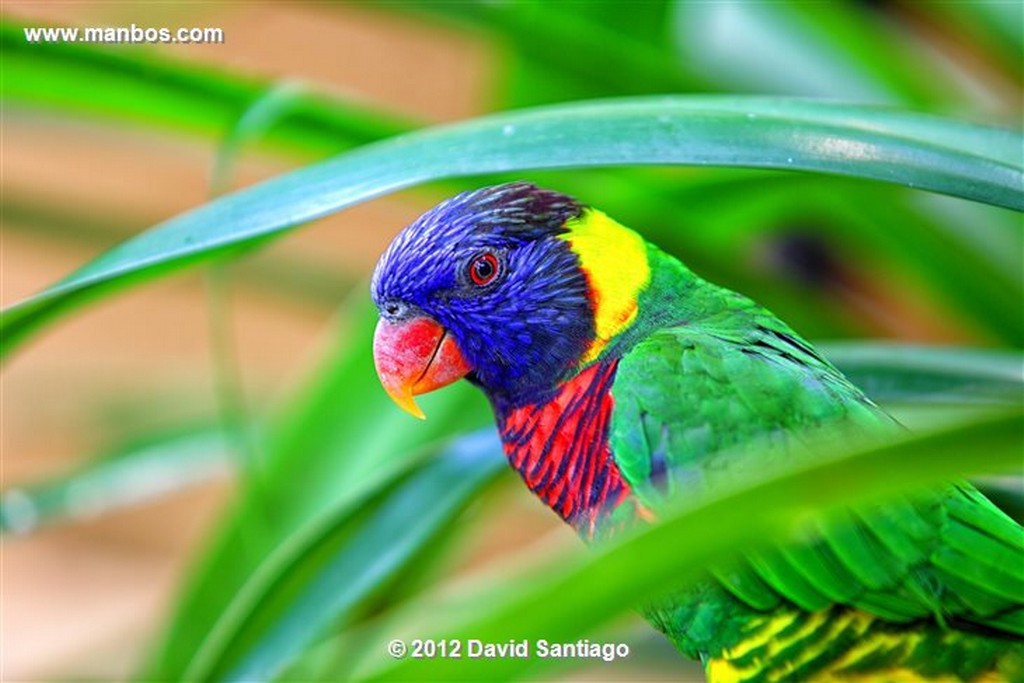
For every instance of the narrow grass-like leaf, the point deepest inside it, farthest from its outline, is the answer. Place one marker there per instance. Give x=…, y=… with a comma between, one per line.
x=290, y=276
x=835, y=50
x=967, y=254
x=581, y=54
x=132, y=475
x=320, y=578
x=135, y=85
x=909, y=373
x=570, y=599
x=915, y=150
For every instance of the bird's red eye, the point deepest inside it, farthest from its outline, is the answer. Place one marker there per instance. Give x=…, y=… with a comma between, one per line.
x=483, y=269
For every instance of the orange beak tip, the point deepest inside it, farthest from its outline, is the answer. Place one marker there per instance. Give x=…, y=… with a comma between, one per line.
x=414, y=357
x=400, y=390
x=412, y=408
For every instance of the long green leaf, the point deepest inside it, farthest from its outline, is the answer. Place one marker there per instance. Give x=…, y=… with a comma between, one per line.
x=138, y=86
x=564, y=603
x=584, y=56
x=138, y=472
x=835, y=50
x=324, y=576
x=890, y=372
x=156, y=91
x=918, y=151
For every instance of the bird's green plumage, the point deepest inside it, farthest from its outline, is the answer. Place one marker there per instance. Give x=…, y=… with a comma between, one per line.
x=709, y=372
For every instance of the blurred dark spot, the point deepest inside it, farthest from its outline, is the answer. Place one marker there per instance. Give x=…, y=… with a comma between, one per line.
x=880, y=6
x=804, y=257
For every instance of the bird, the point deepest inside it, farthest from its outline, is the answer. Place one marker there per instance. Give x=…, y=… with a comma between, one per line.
x=620, y=381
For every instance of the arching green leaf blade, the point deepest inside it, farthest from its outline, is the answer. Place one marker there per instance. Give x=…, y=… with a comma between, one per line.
x=319, y=580
x=914, y=150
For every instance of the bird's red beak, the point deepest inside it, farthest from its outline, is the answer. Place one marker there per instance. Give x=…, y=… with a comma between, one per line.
x=414, y=357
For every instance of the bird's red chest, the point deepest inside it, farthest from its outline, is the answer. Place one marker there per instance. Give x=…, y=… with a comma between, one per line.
x=561, y=449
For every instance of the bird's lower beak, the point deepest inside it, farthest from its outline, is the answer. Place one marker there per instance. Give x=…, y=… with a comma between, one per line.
x=414, y=357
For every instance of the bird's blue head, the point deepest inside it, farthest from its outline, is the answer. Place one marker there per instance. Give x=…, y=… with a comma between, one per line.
x=498, y=285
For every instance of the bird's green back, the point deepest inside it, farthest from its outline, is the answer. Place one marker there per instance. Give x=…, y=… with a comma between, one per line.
x=714, y=373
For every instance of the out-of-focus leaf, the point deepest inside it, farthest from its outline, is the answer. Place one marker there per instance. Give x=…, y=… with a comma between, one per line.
x=133, y=475
x=928, y=374
x=589, y=58
x=134, y=85
x=837, y=50
x=290, y=276
x=319, y=578
x=568, y=599
x=888, y=372
x=919, y=151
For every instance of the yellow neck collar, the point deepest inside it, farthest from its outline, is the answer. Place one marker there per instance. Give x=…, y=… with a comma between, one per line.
x=614, y=259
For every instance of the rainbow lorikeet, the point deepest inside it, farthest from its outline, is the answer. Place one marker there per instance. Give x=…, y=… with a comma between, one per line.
x=620, y=379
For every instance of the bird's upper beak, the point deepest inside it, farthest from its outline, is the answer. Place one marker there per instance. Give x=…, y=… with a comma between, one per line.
x=413, y=357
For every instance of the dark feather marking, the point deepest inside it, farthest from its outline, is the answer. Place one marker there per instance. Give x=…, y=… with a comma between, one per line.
x=659, y=463
x=776, y=351
x=793, y=342
x=595, y=482
x=543, y=478
x=568, y=412
x=592, y=446
x=588, y=399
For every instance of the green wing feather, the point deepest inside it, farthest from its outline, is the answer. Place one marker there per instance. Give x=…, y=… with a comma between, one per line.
x=687, y=397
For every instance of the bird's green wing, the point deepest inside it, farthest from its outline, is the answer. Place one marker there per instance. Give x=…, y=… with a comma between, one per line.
x=688, y=398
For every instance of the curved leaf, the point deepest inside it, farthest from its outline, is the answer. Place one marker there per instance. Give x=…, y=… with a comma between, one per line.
x=139, y=86
x=890, y=372
x=134, y=474
x=833, y=49
x=915, y=150
x=320, y=578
